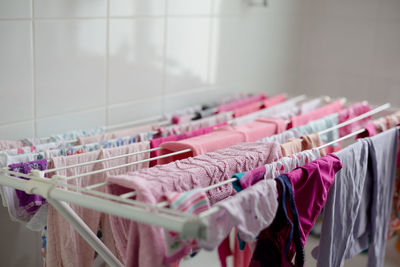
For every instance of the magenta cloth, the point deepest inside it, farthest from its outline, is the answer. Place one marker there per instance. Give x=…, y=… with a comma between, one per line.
x=351, y=112
x=154, y=143
x=30, y=202
x=316, y=114
x=370, y=130
x=311, y=184
x=241, y=103
x=146, y=243
x=223, y=137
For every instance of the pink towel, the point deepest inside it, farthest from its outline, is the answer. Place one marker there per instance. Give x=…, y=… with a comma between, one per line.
x=317, y=114
x=65, y=247
x=116, y=134
x=241, y=103
x=274, y=100
x=351, y=112
x=223, y=137
x=154, y=143
x=145, y=245
x=5, y=144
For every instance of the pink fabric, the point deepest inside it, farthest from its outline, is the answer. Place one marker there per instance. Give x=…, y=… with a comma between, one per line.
x=311, y=184
x=250, y=108
x=145, y=244
x=274, y=100
x=351, y=112
x=326, y=110
x=223, y=137
x=154, y=143
x=242, y=258
x=241, y=103
x=4, y=144
x=65, y=247
x=116, y=134
x=224, y=251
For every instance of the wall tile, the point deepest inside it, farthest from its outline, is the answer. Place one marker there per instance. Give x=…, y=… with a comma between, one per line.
x=339, y=44
x=387, y=54
x=17, y=131
x=383, y=90
x=12, y=9
x=136, y=59
x=367, y=9
x=122, y=113
x=389, y=10
x=16, y=101
x=69, y=122
x=187, y=53
x=229, y=7
x=70, y=65
x=70, y=8
x=190, y=98
x=137, y=7
x=189, y=7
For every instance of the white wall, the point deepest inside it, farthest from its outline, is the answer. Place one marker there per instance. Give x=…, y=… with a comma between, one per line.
x=67, y=64
x=351, y=48
x=84, y=63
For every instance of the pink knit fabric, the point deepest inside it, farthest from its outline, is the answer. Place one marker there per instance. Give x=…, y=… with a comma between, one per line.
x=317, y=114
x=116, y=134
x=223, y=137
x=351, y=112
x=242, y=103
x=5, y=144
x=65, y=247
x=145, y=245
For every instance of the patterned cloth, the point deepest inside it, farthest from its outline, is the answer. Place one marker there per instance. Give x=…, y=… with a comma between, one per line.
x=194, y=202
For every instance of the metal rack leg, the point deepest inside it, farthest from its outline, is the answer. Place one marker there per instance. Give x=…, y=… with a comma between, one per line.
x=82, y=228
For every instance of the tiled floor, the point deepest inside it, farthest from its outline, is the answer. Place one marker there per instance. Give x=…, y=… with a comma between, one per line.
x=210, y=259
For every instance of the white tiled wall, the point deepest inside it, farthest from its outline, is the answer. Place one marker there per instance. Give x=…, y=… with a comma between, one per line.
x=67, y=64
x=351, y=48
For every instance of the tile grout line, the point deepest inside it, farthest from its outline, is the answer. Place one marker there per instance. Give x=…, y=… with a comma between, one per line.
x=107, y=62
x=210, y=42
x=33, y=49
x=164, y=64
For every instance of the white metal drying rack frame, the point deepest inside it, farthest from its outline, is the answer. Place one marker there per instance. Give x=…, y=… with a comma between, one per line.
x=58, y=193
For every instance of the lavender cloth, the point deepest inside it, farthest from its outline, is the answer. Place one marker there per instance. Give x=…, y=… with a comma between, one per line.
x=30, y=202
x=358, y=206
x=251, y=211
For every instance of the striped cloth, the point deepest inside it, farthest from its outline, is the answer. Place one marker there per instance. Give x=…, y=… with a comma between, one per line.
x=194, y=202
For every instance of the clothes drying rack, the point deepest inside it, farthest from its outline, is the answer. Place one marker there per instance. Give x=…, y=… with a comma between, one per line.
x=59, y=193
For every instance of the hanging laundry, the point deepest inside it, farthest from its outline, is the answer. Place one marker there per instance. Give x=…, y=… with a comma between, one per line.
x=359, y=203
x=223, y=137
x=305, y=142
x=192, y=202
x=65, y=247
x=318, y=113
x=305, y=189
x=203, y=170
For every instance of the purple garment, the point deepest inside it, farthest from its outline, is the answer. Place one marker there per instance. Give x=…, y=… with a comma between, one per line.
x=30, y=202
x=357, y=211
